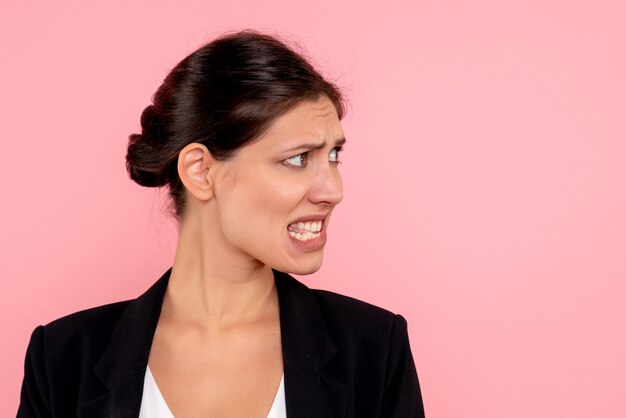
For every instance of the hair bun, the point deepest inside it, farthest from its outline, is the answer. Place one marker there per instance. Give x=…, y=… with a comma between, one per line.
x=145, y=160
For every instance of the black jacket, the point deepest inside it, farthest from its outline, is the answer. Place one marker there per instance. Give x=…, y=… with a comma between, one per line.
x=341, y=357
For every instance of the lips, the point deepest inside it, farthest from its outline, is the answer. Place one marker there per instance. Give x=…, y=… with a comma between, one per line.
x=308, y=232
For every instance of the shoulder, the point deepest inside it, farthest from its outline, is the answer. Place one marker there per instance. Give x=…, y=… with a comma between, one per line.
x=60, y=358
x=95, y=325
x=353, y=320
x=350, y=308
x=93, y=320
x=78, y=337
x=373, y=346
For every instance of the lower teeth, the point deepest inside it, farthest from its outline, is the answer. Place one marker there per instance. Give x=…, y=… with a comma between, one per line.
x=304, y=237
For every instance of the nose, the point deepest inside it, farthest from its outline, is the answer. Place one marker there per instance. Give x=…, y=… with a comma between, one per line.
x=327, y=186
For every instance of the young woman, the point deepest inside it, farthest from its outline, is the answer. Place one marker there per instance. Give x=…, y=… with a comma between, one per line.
x=246, y=136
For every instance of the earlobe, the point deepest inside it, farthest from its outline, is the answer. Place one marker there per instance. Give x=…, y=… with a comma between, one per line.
x=194, y=169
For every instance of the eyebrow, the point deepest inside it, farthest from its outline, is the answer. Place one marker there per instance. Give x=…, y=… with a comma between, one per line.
x=315, y=146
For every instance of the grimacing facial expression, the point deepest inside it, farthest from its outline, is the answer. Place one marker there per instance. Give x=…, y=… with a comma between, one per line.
x=275, y=200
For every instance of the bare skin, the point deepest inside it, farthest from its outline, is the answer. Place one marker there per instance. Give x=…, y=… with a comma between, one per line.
x=231, y=370
x=217, y=347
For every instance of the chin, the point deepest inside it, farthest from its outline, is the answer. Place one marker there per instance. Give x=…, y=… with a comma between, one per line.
x=301, y=266
x=304, y=271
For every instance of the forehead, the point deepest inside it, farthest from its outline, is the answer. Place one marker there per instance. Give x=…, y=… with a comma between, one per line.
x=308, y=121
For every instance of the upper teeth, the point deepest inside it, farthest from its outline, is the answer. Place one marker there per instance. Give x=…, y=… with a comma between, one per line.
x=308, y=226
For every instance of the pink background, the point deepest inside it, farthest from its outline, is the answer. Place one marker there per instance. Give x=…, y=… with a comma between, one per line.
x=484, y=180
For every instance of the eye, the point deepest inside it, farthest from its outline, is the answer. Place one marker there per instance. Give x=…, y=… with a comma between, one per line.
x=299, y=160
x=333, y=156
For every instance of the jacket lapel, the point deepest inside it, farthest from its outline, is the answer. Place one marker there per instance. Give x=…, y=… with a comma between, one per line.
x=306, y=346
x=122, y=367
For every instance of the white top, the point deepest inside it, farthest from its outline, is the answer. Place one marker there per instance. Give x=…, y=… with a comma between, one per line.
x=153, y=405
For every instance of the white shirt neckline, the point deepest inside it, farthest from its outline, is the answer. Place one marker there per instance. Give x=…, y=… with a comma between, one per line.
x=153, y=404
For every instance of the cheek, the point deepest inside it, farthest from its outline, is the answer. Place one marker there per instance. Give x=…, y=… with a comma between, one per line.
x=261, y=200
x=275, y=199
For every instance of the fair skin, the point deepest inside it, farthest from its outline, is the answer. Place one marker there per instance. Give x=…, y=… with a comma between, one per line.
x=217, y=347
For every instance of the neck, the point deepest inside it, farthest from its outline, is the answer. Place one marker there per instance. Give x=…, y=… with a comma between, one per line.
x=215, y=285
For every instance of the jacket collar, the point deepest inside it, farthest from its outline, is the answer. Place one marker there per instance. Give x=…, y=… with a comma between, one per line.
x=306, y=344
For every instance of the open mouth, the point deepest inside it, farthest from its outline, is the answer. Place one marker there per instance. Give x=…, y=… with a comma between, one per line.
x=304, y=231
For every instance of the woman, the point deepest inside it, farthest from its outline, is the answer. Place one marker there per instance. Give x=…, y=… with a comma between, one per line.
x=246, y=135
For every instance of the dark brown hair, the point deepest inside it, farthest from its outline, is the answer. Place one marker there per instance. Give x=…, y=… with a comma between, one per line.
x=224, y=95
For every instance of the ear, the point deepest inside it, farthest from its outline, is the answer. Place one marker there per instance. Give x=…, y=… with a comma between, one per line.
x=194, y=169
